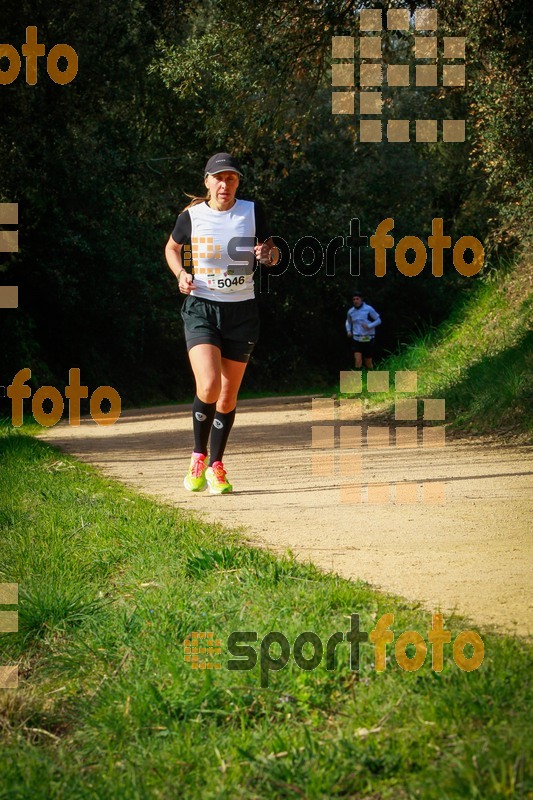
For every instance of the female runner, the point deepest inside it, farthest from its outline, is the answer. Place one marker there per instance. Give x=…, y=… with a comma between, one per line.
x=214, y=235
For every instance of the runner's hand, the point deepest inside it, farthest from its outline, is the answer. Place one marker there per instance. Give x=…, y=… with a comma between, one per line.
x=267, y=253
x=262, y=252
x=185, y=282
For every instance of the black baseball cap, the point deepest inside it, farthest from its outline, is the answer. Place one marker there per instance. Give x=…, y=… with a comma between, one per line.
x=221, y=162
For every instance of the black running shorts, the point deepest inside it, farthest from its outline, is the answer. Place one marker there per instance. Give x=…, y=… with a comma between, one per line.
x=365, y=348
x=233, y=327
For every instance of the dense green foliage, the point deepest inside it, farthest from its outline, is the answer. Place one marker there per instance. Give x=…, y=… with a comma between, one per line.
x=100, y=169
x=112, y=583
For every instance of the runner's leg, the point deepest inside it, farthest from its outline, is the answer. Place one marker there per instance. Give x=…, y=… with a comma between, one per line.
x=207, y=368
x=206, y=365
x=368, y=350
x=232, y=374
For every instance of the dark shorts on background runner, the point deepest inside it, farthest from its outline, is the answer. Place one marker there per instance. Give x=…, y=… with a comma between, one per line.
x=233, y=326
x=365, y=348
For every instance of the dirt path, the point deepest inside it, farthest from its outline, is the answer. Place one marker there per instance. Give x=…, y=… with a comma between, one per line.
x=472, y=555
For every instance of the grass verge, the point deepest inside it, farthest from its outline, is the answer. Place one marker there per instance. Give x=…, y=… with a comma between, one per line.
x=481, y=359
x=111, y=583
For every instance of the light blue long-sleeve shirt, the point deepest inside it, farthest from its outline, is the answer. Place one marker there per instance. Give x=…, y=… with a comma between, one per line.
x=355, y=318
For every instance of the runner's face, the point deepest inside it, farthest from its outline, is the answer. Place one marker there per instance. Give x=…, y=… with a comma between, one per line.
x=222, y=188
x=357, y=301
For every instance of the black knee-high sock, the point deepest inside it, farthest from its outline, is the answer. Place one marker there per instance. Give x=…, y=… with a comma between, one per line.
x=222, y=425
x=202, y=419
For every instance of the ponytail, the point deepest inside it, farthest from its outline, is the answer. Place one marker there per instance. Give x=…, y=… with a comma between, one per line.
x=195, y=200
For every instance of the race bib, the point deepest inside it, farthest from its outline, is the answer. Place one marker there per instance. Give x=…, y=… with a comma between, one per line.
x=226, y=281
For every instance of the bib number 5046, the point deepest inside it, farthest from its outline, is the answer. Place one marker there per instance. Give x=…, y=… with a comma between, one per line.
x=227, y=283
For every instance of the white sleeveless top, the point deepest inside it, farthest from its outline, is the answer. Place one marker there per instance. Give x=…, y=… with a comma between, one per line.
x=221, y=252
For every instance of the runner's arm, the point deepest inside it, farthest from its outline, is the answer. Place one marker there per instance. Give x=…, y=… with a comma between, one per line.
x=267, y=253
x=375, y=322
x=348, y=325
x=173, y=257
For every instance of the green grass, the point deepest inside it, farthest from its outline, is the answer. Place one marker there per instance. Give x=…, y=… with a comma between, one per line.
x=481, y=359
x=111, y=583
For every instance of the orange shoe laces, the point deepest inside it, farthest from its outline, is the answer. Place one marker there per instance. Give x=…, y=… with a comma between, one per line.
x=197, y=467
x=219, y=472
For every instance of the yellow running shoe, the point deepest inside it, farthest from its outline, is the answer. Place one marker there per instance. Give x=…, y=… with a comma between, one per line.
x=194, y=480
x=217, y=480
